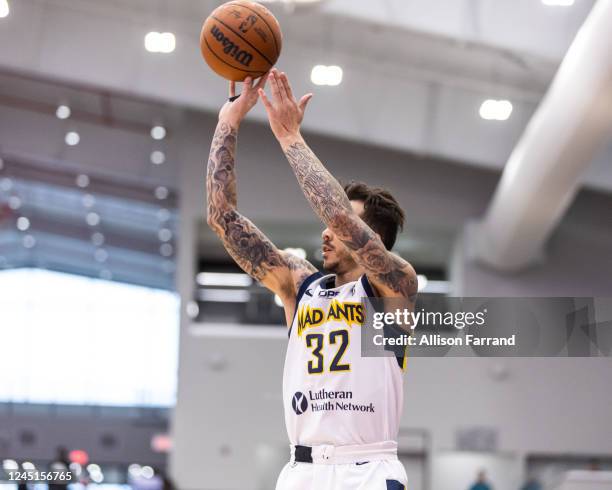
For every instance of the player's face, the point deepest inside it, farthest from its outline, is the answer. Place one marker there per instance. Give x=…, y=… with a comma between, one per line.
x=336, y=256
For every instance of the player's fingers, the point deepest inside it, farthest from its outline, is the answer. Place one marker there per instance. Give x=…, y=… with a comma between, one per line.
x=262, y=81
x=232, y=89
x=304, y=102
x=275, y=87
x=286, y=86
x=266, y=102
x=247, y=84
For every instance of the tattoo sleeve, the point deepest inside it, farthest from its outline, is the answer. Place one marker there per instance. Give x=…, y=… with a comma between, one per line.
x=329, y=201
x=247, y=245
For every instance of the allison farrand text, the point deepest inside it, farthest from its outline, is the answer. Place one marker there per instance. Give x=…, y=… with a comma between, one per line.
x=435, y=340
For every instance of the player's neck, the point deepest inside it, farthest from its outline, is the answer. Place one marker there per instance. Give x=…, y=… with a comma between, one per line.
x=349, y=276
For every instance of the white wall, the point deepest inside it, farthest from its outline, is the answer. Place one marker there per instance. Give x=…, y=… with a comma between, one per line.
x=576, y=263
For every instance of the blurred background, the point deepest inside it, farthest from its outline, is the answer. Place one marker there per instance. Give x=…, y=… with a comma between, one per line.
x=133, y=350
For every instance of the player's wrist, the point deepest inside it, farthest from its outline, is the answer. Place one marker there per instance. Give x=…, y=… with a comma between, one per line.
x=289, y=139
x=232, y=121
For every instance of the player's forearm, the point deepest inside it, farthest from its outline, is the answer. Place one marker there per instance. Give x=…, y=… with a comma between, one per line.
x=221, y=176
x=247, y=245
x=324, y=193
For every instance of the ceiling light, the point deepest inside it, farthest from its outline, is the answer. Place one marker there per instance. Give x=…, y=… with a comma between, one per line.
x=97, y=239
x=558, y=3
x=72, y=138
x=26, y=465
x=88, y=200
x=4, y=8
x=161, y=192
x=82, y=181
x=160, y=42
x=225, y=295
x=163, y=214
x=437, y=287
x=10, y=464
x=14, y=202
x=97, y=477
x=235, y=279
x=28, y=242
x=6, y=184
x=158, y=157
x=101, y=255
x=92, y=219
x=278, y=301
x=63, y=112
x=147, y=472
x=164, y=235
x=422, y=281
x=23, y=223
x=326, y=75
x=192, y=309
x=165, y=249
x=495, y=110
x=158, y=132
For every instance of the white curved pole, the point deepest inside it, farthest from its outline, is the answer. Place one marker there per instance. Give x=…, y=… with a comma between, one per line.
x=543, y=173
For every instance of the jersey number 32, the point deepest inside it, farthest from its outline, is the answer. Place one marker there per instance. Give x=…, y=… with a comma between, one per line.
x=315, y=341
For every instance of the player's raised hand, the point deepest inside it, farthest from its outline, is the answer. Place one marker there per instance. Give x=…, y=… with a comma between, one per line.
x=234, y=110
x=285, y=113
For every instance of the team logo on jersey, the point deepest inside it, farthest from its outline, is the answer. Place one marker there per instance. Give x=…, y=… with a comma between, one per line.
x=299, y=403
x=349, y=312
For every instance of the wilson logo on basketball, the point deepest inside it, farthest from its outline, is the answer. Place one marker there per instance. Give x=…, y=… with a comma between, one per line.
x=241, y=56
x=247, y=24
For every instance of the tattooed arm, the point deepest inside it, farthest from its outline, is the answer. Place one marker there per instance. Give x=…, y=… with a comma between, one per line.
x=388, y=273
x=279, y=271
x=250, y=248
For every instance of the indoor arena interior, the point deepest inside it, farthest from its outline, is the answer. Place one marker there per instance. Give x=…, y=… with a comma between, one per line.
x=140, y=351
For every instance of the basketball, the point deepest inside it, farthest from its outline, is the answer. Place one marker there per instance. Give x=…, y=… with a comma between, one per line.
x=241, y=39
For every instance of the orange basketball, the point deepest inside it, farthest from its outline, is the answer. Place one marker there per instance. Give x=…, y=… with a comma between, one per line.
x=241, y=39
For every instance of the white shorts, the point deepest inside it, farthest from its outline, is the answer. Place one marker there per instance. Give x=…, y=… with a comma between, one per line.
x=371, y=467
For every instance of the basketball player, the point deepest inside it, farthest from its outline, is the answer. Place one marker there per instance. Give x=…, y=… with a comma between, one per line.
x=342, y=410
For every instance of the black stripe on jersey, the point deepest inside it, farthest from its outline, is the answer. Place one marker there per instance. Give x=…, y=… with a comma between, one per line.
x=388, y=330
x=366, y=286
x=393, y=331
x=394, y=485
x=303, y=288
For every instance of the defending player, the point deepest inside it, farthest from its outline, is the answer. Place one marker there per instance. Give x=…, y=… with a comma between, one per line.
x=342, y=410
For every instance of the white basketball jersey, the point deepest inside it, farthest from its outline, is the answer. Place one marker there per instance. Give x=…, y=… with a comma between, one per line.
x=331, y=394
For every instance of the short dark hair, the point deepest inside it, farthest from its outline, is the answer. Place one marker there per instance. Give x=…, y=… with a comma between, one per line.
x=381, y=211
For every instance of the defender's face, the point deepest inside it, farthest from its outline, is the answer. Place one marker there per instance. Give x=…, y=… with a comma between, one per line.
x=337, y=257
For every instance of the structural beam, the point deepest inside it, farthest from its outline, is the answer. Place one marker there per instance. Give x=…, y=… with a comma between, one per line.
x=544, y=171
